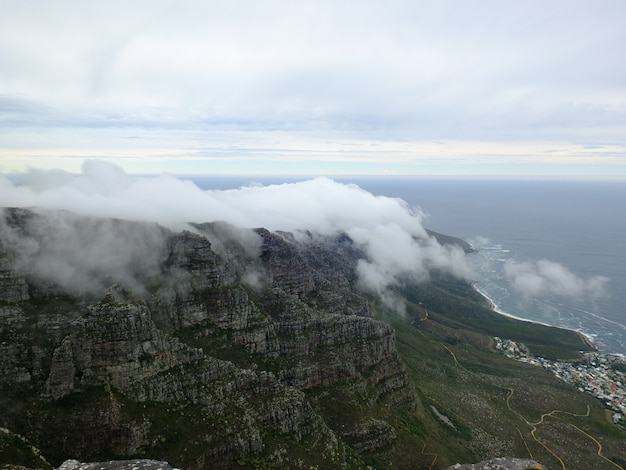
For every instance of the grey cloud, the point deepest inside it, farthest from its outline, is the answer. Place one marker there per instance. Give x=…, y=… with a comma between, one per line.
x=444, y=70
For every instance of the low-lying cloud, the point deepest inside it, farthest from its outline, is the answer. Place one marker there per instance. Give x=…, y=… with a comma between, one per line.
x=538, y=278
x=388, y=230
x=85, y=255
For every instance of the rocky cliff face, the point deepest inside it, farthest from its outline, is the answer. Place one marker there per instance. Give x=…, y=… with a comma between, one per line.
x=233, y=352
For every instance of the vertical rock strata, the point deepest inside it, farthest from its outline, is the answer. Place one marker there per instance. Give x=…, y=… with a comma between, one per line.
x=212, y=362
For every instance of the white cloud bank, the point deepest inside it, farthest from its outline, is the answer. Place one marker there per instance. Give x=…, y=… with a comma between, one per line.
x=85, y=255
x=538, y=278
x=388, y=230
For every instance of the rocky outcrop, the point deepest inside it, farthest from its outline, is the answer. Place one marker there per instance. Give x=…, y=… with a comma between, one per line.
x=208, y=362
x=139, y=464
x=451, y=241
x=371, y=436
x=502, y=463
x=115, y=344
x=13, y=288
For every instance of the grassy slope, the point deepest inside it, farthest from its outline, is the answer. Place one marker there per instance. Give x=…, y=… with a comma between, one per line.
x=490, y=399
x=455, y=304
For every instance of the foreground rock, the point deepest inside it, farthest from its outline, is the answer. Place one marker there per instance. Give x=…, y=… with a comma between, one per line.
x=503, y=463
x=140, y=464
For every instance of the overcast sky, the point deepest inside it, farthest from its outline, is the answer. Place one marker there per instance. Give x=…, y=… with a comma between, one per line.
x=467, y=87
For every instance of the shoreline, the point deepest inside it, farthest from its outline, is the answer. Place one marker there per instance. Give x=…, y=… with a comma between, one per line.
x=586, y=339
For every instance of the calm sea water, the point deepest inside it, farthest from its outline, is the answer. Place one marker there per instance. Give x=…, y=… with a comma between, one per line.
x=579, y=224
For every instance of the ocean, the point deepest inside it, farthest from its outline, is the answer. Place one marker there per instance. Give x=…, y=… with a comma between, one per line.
x=547, y=251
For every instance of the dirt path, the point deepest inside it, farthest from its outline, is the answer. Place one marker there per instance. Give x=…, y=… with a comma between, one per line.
x=552, y=414
x=534, y=425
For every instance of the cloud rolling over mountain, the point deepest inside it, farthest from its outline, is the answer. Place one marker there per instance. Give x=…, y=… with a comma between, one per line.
x=388, y=230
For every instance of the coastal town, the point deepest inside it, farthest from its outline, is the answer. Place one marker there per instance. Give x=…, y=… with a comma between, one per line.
x=600, y=375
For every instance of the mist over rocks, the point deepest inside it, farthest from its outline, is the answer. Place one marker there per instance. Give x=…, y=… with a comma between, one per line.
x=203, y=349
x=390, y=233
x=83, y=254
x=393, y=244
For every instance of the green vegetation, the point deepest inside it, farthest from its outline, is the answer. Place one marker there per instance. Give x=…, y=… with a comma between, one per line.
x=457, y=305
x=14, y=448
x=486, y=404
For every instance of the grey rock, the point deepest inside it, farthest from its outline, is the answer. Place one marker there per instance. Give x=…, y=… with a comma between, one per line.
x=371, y=436
x=139, y=464
x=502, y=463
x=13, y=287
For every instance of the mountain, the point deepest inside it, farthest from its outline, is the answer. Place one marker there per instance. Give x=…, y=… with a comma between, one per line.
x=221, y=347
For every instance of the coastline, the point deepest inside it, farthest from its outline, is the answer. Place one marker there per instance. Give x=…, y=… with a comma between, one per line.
x=586, y=339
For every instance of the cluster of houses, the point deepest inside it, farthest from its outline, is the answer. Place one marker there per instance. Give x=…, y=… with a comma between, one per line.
x=601, y=375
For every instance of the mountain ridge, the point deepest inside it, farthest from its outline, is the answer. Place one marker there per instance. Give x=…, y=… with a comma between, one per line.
x=228, y=348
